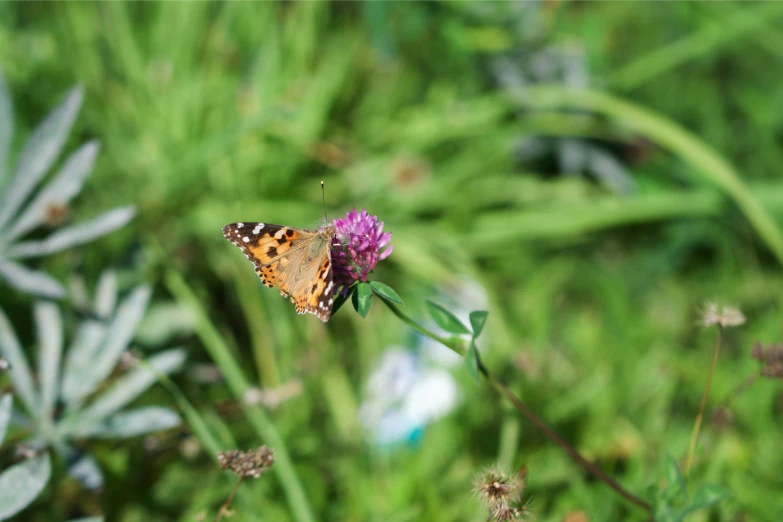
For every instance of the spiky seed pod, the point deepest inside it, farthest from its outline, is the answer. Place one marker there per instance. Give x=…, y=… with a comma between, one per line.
x=498, y=489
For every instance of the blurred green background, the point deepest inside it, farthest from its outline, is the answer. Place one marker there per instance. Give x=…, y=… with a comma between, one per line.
x=600, y=170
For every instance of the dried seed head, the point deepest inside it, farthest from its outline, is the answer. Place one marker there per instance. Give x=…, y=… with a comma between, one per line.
x=771, y=359
x=506, y=513
x=56, y=214
x=722, y=418
x=727, y=316
x=4, y=365
x=497, y=489
x=251, y=463
x=757, y=352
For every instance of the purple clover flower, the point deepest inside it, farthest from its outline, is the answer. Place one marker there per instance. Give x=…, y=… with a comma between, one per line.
x=356, y=247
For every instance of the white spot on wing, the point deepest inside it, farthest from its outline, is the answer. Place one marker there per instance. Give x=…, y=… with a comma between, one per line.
x=240, y=225
x=258, y=228
x=245, y=239
x=329, y=288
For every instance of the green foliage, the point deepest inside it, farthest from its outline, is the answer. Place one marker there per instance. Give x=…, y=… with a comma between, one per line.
x=362, y=298
x=673, y=503
x=597, y=220
x=41, y=150
x=477, y=321
x=385, y=292
x=445, y=319
x=78, y=382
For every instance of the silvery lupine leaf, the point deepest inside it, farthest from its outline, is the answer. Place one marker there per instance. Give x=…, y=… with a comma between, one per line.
x=86, y=369
x=73, y=235
x=78, y=360
x=5, y=415
x=89, y=337
x=39, y=153
x=164, y=321
x=84, y=469
x=133, y=423
x=65, y=186
x=22, y=483
x=31, y=281
x=48, y=322
x=20, y=374
x=127, y=388
x=6, y=129
x=106, y=295
x=77, y=293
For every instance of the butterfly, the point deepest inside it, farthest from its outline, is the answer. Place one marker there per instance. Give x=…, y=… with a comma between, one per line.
x=295, y=260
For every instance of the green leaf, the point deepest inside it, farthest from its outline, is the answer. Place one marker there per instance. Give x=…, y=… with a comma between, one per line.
x=386, y=292
x=140, y=421
x=362, y=299
x=446, y=319
x=39, y=153
x=5, y=415
x=49, y=323
x=477, y=321
x=31, y=281
x=71, y=236
x=471, y=361
x=675, y=481
x=95, y=359
x=66, y=185
x=708, y=495
x=340, y=300
x=21, y=484
x=127, y=388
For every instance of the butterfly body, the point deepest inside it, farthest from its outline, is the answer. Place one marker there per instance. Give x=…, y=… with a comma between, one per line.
x=297, y=261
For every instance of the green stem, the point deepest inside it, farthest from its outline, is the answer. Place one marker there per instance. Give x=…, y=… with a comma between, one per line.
x=456, y=345
x=702, y=406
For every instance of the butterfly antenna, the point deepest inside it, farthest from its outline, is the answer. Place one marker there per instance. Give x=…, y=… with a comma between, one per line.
x=323, y=196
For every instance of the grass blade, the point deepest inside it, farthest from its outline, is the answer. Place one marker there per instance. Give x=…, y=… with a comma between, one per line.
x=238, y=383
x=645, y=69
x=673, y=137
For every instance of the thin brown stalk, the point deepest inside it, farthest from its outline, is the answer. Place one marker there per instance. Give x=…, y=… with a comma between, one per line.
x=738, y=390
x=703, y=405
x=554, y=437
x=456, y=344
x=224, y=508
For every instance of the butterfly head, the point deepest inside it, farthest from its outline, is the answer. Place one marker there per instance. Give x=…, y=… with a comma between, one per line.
x=327, y=232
